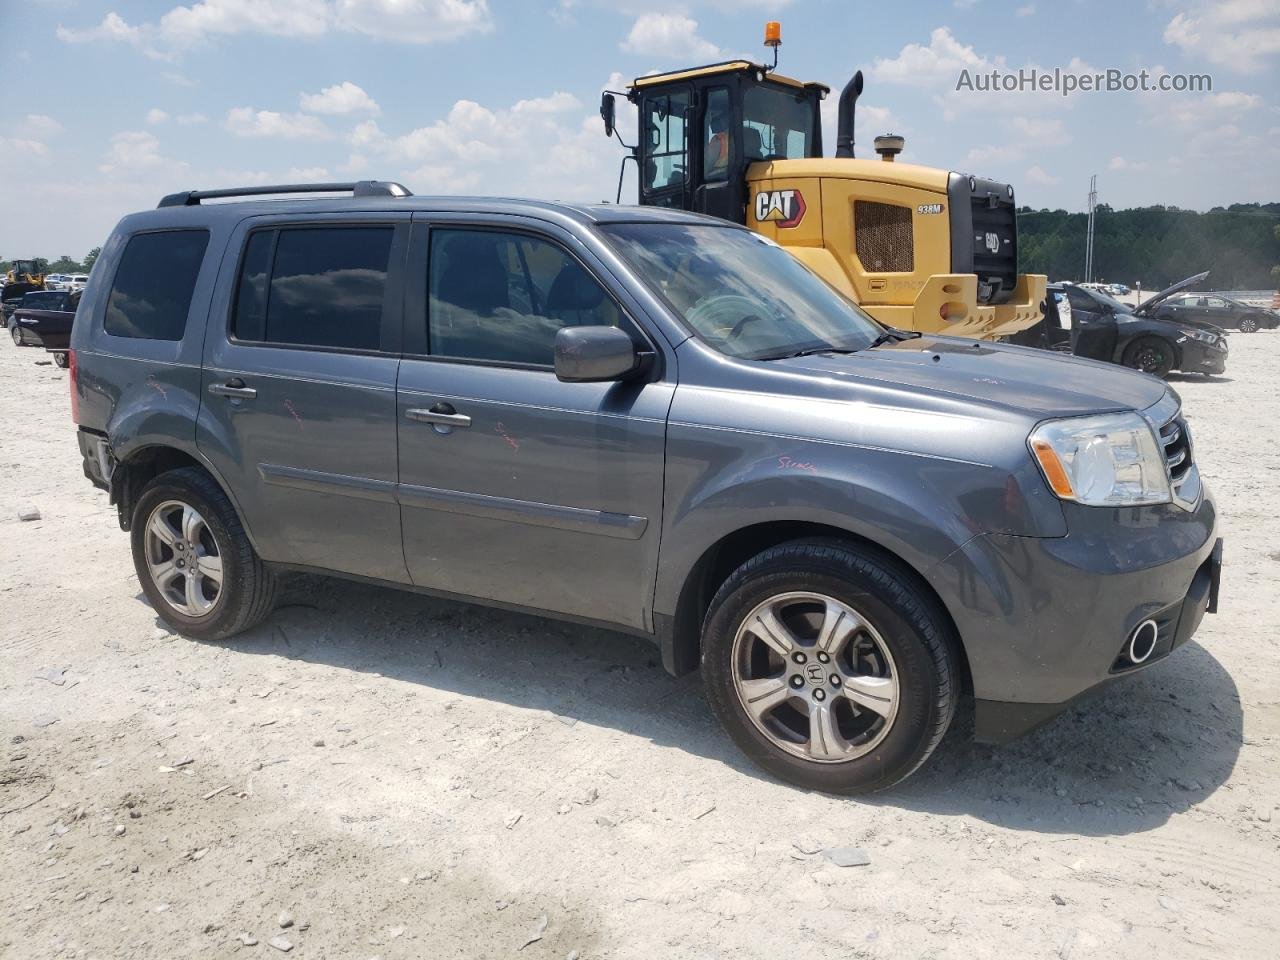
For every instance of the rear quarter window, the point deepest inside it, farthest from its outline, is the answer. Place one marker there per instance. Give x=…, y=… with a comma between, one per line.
x=151, y=294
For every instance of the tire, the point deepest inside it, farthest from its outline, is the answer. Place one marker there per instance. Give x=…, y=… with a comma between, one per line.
x=1248, y=325
x=16, y=332
x=247, y=590
x=60, y=359
x=904, y=638
x=1153, y=355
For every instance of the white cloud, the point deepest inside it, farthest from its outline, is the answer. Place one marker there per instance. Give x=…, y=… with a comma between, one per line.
x=156, y=116
x=1040, y=131
x=1194, y=111
x=550, y=146
x=1040, y=178
x=184, y=27
x=1121, y=163
x=39, y=125
x=23, y=146
x=671, y=36
x=247, y=122
x=938, y=63
x=1025, y=11
x=137, y=151
x=413, y=21
x=188, y=119
x=306, y=175
x=1241, y=35
x=341, y=98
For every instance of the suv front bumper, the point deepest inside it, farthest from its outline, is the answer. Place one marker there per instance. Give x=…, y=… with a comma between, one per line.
x=1045, y=621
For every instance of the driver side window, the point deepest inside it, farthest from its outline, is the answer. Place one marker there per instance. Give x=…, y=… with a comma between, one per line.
x=663, y=124
x=716, y=142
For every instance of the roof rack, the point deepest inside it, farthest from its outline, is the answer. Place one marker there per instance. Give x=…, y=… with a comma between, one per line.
x=357, y=188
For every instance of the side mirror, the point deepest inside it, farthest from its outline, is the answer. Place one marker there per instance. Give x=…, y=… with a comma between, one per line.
x=596, y=354
x=608, y=112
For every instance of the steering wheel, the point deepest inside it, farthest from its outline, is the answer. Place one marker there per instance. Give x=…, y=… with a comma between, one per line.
x=730, y=310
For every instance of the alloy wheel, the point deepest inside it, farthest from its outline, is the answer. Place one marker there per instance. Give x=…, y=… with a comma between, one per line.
x=183, y=558
x=815, y=677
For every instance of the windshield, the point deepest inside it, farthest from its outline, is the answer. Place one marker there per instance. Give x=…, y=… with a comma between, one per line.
x=740, y=293
x=1111, y=302
x=777, y=123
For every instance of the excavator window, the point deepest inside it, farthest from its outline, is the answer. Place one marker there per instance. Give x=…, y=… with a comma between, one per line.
x=777, y=124
x=663, y=124
x=716, y=136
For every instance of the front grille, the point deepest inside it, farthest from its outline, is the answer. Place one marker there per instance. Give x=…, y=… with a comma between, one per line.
x=1176, y=439
x=995, y=249
x=882, y=237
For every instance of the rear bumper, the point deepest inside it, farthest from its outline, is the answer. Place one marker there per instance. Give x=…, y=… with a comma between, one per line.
x=98, y=463
x=999, y=721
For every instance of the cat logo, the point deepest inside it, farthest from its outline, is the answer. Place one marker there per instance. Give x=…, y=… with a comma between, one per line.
x=992, y=242
x=782, y=208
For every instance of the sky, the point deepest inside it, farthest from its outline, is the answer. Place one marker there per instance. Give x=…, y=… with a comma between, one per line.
x=110, y=105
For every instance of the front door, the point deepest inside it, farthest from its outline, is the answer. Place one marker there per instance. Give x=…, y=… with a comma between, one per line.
x=514, y=486
x=298, y=410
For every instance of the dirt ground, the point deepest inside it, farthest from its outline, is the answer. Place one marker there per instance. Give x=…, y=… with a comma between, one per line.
x=406, y=777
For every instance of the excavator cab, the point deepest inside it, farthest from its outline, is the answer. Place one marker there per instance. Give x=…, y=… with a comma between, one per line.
x=700, y=129
x=919, y=248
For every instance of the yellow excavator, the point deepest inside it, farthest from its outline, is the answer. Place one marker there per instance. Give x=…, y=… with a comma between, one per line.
x=23, y=277
x=917, y=247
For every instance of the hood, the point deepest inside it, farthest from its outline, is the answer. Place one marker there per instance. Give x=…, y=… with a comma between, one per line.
x=1147, y=305
x=1037, y=382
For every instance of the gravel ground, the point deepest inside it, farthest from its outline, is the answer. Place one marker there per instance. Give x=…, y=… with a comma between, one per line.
x=406, y=777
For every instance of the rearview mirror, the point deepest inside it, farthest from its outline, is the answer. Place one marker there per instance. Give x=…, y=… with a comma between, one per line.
x=607, y=113
x=596, y=354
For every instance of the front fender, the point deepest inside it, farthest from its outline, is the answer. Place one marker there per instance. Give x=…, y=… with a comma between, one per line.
x=917, y=507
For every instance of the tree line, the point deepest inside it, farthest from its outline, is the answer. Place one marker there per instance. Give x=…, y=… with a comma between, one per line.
x=64, y=263
x=1239, y=245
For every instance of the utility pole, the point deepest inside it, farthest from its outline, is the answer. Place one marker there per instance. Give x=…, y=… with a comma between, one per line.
x=1088, y=243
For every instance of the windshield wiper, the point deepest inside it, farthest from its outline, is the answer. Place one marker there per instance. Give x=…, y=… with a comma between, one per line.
x=807, y=352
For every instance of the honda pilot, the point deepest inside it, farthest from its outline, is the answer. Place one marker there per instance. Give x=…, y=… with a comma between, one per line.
x=647, y=420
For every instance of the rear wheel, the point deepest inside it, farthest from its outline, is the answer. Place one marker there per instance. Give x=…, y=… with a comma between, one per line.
x=829, y=667
x=1153, y=355
x=61, y=360
x=16, y=332
x=1249, y=325
x=193, y=559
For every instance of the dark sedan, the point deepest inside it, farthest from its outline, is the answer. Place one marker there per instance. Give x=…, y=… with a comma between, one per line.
x=44, y=319
x=1091, y=324
x=1218, y=310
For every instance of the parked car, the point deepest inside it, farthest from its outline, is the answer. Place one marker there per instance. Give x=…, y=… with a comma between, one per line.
x=1106, y=329
x=643, y=419
x=45, y=319
x=1218, y=311
x=57, y=281
x=78, y=282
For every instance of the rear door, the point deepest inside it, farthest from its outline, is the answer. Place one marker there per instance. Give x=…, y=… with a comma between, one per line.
x=299, y=408
x=516, y=487
x=1093, y=331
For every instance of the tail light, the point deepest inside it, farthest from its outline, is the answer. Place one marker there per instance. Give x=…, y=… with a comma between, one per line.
x=74, y=379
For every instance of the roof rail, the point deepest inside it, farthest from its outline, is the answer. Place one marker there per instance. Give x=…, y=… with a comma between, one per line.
x=357, y=188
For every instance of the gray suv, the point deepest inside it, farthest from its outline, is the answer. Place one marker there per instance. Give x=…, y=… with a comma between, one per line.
x=644, y=419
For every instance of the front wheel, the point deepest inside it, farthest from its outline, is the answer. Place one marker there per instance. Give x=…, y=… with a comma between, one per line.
x=60, y=359
x=16, y=332
x=829, y=666
x=1153, y=355
x=193, y=559
x=1249, y=325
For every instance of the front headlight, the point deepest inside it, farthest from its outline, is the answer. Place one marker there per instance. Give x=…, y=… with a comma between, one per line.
x=1204, y=336
x=1113, y=460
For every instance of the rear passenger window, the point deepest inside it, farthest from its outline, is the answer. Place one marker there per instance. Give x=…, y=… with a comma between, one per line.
x=502, y=297
x=151, y=294
x=317, y=287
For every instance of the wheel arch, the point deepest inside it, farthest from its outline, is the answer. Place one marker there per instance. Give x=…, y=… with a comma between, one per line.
x=680, y=634
x=138, y=466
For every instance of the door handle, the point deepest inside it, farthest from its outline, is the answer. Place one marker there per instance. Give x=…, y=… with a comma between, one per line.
x=440, y=414
x=233, y=388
